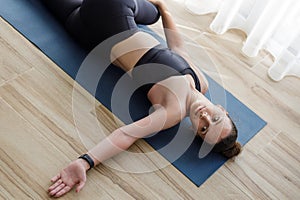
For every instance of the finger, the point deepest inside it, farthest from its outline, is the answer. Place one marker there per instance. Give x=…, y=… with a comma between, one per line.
x=57, y=189
x=63, y=191
x=55, y=178
x=80, y=186
x=57, y=183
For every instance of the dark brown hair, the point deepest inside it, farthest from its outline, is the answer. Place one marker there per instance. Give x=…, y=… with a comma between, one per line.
x=228, y=146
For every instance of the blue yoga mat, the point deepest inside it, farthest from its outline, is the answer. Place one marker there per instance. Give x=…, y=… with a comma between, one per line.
x=32, y=20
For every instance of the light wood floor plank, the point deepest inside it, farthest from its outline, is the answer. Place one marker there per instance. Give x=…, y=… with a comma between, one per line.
x=8, y=71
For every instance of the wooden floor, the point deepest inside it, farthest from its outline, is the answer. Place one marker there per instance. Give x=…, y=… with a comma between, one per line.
x=39, y=130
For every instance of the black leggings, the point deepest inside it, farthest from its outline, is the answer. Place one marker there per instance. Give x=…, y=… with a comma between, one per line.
x=93, y=21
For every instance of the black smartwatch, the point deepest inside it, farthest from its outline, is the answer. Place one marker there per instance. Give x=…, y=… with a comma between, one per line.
x=88, y=159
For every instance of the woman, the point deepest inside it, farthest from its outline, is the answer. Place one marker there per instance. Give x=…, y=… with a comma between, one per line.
x=176, y=94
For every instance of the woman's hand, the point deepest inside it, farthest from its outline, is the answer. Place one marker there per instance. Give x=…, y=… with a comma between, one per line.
x=74, y=173
x=159, y=4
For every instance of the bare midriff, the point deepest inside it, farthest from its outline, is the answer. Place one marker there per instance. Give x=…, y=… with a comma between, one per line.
x=128, y=52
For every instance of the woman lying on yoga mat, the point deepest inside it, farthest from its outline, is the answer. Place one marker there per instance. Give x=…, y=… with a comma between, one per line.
x=178, y=92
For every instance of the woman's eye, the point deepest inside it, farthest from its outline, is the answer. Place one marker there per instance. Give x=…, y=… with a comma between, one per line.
x=216, y=118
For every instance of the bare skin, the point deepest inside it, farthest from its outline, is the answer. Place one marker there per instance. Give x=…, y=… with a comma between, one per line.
x=166, y=97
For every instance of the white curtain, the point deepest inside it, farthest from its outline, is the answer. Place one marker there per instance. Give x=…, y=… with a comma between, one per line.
x=273, y=25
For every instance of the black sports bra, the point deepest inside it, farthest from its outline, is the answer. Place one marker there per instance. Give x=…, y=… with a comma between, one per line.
x=166, y=64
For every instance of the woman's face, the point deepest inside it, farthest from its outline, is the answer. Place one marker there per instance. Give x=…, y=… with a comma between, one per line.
x=210, y=122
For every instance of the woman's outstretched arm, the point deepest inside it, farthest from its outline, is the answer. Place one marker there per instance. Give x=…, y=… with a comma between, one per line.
x=118, y=141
